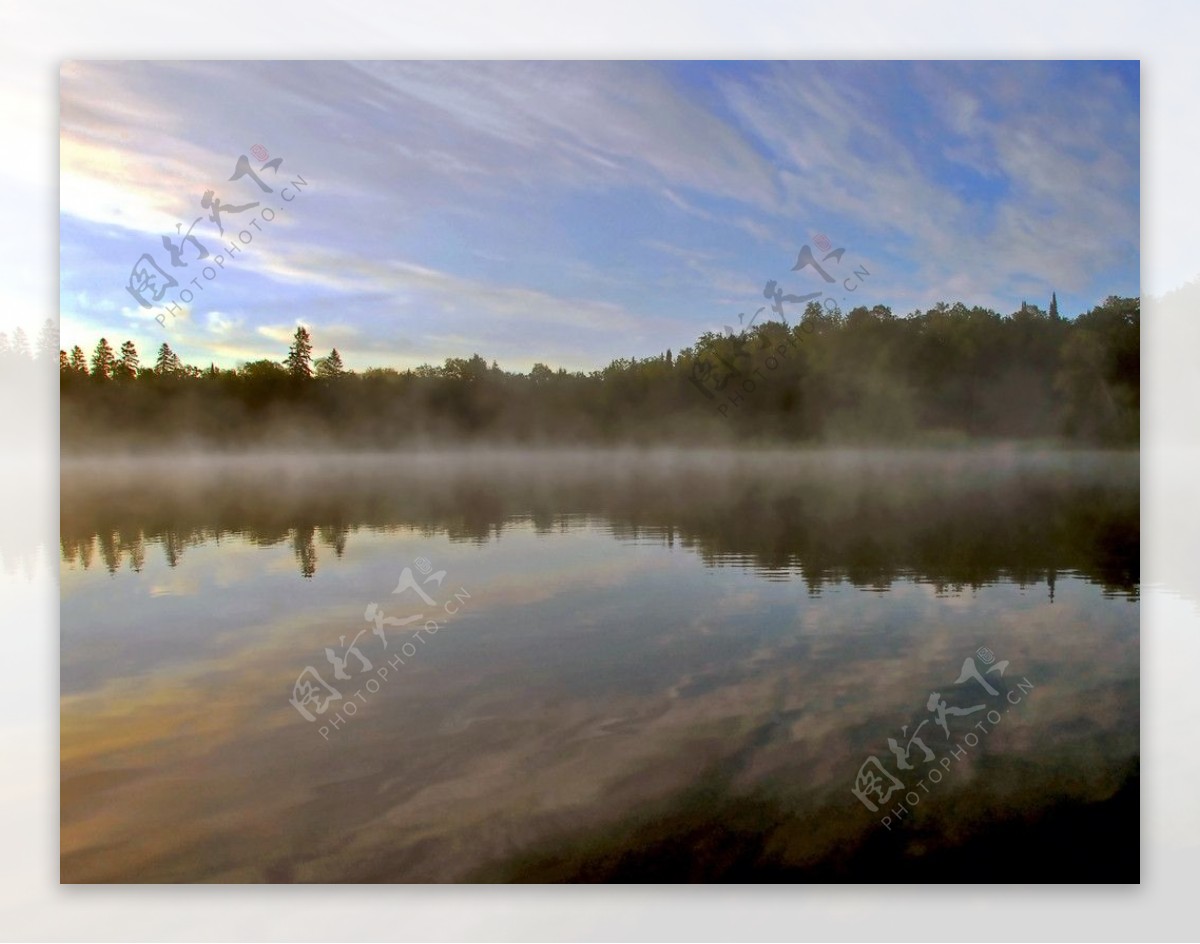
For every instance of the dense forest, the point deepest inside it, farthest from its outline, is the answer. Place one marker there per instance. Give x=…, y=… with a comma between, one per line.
x=943, y=376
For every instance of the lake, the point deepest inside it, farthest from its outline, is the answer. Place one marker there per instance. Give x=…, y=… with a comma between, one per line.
x=601, y=666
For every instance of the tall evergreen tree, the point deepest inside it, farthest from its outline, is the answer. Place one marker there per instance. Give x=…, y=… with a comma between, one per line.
x=20, y=343
x=63, y=364
x=167, y=363
x=47, y=341
x=102, y=360
x=78, y=360
x=299, y=359
x=1053, y=304
x=330, y=366
x=127, y=366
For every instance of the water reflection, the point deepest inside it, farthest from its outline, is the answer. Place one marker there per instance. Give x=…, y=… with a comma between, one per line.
x=957, y=520
x=669, y=667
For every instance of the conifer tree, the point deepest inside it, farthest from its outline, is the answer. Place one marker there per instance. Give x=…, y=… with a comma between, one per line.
x=102, y=360
x=330, y=366
x=299, y=359
x=20, y=343
x=127, y=366
x=47, y=342
x=167, y=363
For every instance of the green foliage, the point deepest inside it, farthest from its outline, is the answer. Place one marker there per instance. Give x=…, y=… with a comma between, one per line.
x=167, y=364
x=102, y=360
x=944, y=375
x=331, y=366
x=299, y=359
x=126, y=368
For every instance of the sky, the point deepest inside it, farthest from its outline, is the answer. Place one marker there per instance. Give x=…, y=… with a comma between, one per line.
x=576, y=212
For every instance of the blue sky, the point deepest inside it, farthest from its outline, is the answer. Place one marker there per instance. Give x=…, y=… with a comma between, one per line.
x=575, y=212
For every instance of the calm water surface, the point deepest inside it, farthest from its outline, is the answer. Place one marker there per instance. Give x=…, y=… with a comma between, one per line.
x=627, y=667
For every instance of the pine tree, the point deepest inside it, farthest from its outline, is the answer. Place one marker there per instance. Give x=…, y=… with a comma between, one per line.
x=127, y=366
x=1053, y=304
x=299, y=359
x=78, y=361
x=47, y=341
x=20, y=343
x=63, y=364
x=330, y=366
x=167, y=363
x=102, y=360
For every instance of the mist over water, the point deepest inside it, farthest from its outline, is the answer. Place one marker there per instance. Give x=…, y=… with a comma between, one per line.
x=953, y=516
x=661, y=665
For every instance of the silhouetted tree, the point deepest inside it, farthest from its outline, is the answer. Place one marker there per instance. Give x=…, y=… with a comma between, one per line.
x=539, y=374
x=167, y=363
x=127, y=366
x=1054, y=305
x=299, y=359
x=330, y=366
x=78, y=360
x=102, y=360
x=47, y=342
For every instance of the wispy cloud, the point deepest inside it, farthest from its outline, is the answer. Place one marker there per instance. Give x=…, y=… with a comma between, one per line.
x=574, y=212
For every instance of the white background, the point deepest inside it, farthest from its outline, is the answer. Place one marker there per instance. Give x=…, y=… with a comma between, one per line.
x=35, y=39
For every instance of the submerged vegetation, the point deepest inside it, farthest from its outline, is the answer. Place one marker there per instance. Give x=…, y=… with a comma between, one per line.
x=950, y=374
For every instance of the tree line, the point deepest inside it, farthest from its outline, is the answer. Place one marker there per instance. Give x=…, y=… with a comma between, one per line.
x=19, y=354
x=945, y=375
